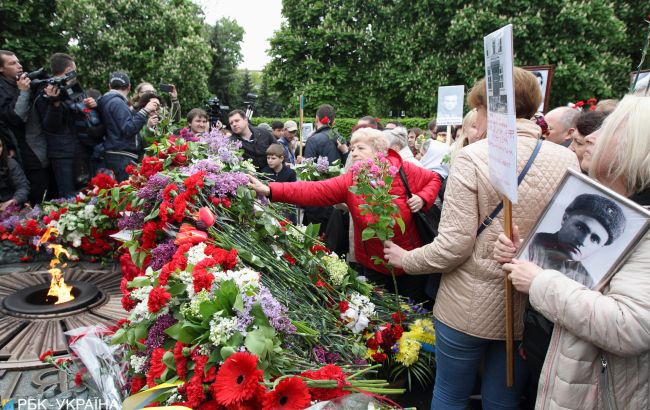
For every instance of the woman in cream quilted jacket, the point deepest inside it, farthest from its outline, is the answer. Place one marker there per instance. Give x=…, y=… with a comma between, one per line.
x=599, y=355
x=470, y=304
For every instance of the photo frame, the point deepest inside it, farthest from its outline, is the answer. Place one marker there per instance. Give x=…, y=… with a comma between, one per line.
x=586, y=231
x=544, y=74
x=642, y=74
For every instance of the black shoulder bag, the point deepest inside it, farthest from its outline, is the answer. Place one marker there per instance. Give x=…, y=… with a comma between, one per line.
x=426, y=222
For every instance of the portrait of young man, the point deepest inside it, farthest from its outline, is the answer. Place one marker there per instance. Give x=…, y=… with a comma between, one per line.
x=589, y=223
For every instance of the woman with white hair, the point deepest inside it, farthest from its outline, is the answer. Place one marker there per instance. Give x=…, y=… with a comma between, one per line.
x=599, y=354
x=365, y=144
x=398, y=141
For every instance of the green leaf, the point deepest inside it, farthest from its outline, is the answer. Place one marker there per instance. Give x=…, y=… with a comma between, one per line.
x=140, y=282
x=400, y=222
x=185, y=334
x=260, y=342
x=367, y=234
x=119, y=337
x=226, y=351
x=168, y=360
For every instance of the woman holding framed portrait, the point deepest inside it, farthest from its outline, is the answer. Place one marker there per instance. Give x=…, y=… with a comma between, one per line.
x=599, y=351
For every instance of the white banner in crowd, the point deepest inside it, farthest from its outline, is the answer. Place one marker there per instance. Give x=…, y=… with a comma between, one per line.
x=450, y=105
x=502, y=123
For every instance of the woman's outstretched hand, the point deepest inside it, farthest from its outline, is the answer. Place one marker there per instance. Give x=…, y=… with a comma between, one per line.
x=394, y=254
x=259, y=187
x=504, y=248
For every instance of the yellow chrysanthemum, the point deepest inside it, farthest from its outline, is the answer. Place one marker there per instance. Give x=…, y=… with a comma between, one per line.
x=409, y=350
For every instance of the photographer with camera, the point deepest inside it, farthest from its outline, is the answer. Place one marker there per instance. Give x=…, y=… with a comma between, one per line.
x=254, y=140
x=145, y=87
x=61, y=107
x=122, y=142
x=20, y=127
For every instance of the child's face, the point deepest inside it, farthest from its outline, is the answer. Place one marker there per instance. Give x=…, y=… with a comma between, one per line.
x=274, y=161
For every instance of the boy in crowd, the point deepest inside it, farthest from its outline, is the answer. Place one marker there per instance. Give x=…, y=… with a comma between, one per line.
x=277, y=170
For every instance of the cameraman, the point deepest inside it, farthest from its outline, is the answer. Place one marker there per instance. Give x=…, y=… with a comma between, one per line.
x=19, y=126
x=122, y=142
x=58, y=116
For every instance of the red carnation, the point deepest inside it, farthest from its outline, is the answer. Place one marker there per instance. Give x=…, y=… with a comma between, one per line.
x=180, y=360
x=580, y=103
x=329, y=372
x=127, y=303
x=325, y=120
x=379, y=357
x=237, y=380
x=344, y=306
x=45, y=355
x=194, y=391
x=290, y=394
x=398, y=317
x=157, y=366
x=137, y=383
x=210, y=405
x=372, y=343
x=158, y=298
x=289, y=258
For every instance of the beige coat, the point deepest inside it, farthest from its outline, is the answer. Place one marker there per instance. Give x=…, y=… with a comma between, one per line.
x=471, y=294
x=592, y=329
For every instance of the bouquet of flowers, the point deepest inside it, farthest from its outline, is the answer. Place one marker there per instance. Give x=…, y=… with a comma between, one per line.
x=317, y=169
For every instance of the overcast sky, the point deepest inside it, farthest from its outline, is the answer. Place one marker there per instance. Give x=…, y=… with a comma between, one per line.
x=259, y=18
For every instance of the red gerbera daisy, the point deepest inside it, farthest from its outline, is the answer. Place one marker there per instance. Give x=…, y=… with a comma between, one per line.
x=290, y=394
x=237, y=379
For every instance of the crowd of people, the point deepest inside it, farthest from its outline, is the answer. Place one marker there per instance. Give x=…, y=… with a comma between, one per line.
x=579, y=347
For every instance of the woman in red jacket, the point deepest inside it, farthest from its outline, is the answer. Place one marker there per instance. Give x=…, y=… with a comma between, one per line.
x=424, y=184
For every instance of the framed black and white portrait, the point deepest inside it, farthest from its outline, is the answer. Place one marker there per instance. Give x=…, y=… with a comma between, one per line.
x=450, y=105
x=544, y=75
x=586, y=231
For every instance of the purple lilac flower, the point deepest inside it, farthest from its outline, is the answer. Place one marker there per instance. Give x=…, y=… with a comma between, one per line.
x=244, y=318
x=222, y=146
x=207, y=165
x=147, y=363
x=322, y=164
x=34, y=213
x=10, y=222
x=226, y=183
x=360, y=361
x=154, y=187
x=320, y=353
x=275, y=312
x=93, y=200
x=157, y=334
x=131, y=221
x=162, y=254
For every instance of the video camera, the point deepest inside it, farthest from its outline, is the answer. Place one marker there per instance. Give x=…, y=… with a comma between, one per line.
x=67, y=84
x=215, y=110
x=250, y=104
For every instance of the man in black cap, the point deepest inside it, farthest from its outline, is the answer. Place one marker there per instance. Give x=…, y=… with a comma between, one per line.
x=122, y=143
x=589, y=223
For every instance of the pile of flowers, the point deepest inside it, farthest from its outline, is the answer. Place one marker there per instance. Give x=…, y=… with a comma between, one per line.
x=210, y=272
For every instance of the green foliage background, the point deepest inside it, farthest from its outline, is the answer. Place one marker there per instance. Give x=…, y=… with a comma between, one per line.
x=373, y=56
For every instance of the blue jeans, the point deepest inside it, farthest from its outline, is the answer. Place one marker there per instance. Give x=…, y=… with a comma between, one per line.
x=117, y=163
x=458, y=358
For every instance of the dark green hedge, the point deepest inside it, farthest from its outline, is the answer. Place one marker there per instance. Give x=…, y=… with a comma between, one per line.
x=344, y=125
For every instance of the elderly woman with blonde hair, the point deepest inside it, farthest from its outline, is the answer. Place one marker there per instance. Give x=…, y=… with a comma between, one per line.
x=599, y=352
x=365, y=144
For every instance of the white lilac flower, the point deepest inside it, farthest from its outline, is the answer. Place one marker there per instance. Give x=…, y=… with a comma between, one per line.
x=336, y=267
x=188, y=281
x=138, y=363
x=221, y=329
x=140, y=312
x=75, y=238
x=197, y=299
x=196, y=253
x=296, y=232
x=141, y=293
x=246, y=279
